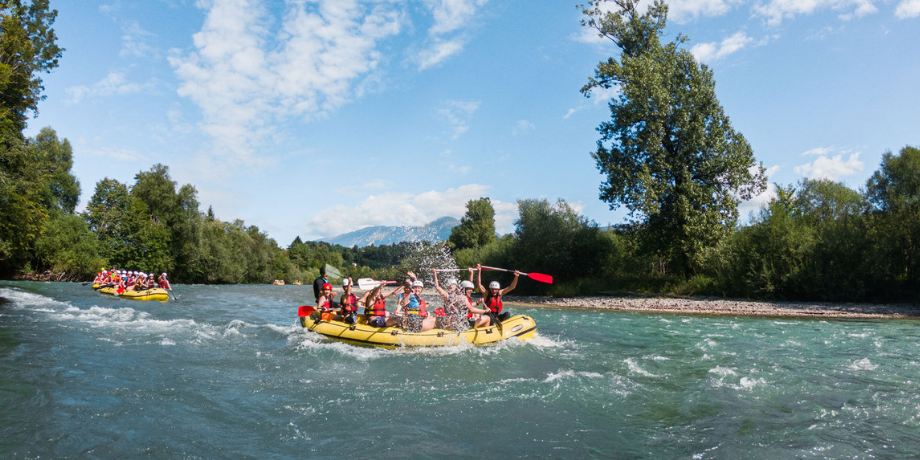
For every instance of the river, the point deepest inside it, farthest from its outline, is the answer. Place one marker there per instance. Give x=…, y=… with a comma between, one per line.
x=227, y=372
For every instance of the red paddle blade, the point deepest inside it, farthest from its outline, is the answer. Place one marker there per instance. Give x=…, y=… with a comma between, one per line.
x=541, y=277
x=305, y=310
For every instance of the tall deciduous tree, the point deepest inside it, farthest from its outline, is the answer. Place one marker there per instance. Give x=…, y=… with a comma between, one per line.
x=669, y=151
x=477, y=226
x=27, y=48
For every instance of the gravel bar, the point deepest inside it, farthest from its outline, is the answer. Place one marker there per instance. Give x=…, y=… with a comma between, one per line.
x=718, y=306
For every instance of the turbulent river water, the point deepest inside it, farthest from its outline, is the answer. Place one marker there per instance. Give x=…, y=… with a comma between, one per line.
x=227, y=372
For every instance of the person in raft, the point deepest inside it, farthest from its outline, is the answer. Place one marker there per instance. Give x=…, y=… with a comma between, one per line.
x=324, y=303
x=415, y=309
x=348, y=304
x=375, y=306
x=319, y=282
x=163, y=282
x=458, y=306
x=492, y=298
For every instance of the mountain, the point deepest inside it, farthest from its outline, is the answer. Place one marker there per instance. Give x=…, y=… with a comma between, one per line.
x=438, y=230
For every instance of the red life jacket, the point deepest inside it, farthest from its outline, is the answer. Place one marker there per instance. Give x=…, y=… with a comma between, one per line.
x=439, y=311
x=422, y=310
x=378, y=308
x=494, y=303
x=349, y=304
x=469, y=314
x=326, y=306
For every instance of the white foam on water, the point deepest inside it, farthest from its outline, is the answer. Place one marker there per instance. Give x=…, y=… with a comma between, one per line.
x=863, y=365
x=30, y=301
x=722, y=371
x=707, y=344
x=747, y=383
x=636, y=369
x=285, y=330
x=543, y=341
x=567, y=374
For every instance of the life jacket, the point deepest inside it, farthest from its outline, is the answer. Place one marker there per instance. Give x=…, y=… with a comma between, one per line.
x=420, y=309
x=327, y=305
x=378, y=308
x=439, y=311
x=349, y=304
x=469, y=314
x=162, y=283
x=494, y=303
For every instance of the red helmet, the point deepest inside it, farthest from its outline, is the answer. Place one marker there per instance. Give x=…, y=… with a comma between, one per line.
x=327, y=287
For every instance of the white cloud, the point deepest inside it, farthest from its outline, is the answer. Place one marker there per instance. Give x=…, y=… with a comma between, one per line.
x=685, y=10
x=830, y=167
x=709, y=52
x=438, y=52
x=458, y=114
x=908, y=9
x=403, y=209
x=114, y=84
x=451, y=17
x=777, y=10
x=523, y=126
x=134, y=42
x=821, y=151
x=249, y=69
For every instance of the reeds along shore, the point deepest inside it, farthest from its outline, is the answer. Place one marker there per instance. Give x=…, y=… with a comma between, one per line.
x=691, y=306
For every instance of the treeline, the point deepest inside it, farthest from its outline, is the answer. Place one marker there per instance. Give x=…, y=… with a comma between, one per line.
x=153, y=225
x=817, y=240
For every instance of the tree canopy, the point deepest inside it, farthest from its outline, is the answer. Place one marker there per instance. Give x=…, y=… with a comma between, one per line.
x=477, y=226
x=669, y=152
x=28, y=47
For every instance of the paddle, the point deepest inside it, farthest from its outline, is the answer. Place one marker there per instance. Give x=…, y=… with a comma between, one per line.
x=452, y=269
x=305, y=310
x=366, y=284
x=497, y=322
x=332, y=272
x=534, y=276
x=175, y=297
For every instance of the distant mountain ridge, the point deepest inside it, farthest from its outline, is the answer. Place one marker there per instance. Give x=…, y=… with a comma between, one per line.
x=438, y=230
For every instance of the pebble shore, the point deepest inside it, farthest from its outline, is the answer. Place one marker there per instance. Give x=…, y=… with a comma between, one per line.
x=718, y=306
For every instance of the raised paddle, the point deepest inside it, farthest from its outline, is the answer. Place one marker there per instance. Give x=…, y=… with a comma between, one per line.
x=305, y=310
x=366, y=284
x=534, y=276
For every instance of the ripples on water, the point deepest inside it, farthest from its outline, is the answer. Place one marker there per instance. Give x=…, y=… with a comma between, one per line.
x=226, y=372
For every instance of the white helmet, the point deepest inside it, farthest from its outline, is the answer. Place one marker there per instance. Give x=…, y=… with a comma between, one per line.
x=418, y=283
x=452, y=281
x=346, y=282
x=467, y=285
x=495, y=285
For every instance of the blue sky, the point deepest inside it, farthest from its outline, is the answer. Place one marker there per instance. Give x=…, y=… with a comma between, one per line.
x=316, y=118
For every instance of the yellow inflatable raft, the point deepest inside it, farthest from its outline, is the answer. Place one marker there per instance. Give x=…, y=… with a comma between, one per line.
x=521, y=326
x=158, y=294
